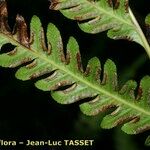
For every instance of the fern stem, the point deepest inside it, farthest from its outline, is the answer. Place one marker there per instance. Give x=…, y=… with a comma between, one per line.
x=140, y=32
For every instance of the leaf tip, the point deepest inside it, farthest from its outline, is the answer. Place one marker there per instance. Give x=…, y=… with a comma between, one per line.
x=72, y=44
x=35, y=20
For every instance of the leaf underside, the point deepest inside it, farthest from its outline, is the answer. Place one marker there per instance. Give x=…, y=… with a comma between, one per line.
x=95, y=16
x=67, y=80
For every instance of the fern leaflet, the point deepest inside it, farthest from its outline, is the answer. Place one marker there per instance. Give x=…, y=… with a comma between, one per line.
x=67, y=72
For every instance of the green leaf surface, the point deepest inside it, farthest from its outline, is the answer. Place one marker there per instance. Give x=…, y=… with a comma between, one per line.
x=66, y=79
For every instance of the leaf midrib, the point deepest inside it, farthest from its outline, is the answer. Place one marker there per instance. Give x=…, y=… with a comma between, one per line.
x=82, y=80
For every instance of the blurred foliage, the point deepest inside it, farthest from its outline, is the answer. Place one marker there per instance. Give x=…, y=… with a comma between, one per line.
x=28, y=113
x=147, y=142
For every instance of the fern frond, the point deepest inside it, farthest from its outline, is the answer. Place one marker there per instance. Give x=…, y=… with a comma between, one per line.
x=95, y=16
x=67, y=80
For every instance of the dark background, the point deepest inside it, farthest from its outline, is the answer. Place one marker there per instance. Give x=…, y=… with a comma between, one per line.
x=28, y=113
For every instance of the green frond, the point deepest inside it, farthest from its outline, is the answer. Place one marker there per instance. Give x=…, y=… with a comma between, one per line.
x=95, y=16
x=67, y=81
x=100, y=15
